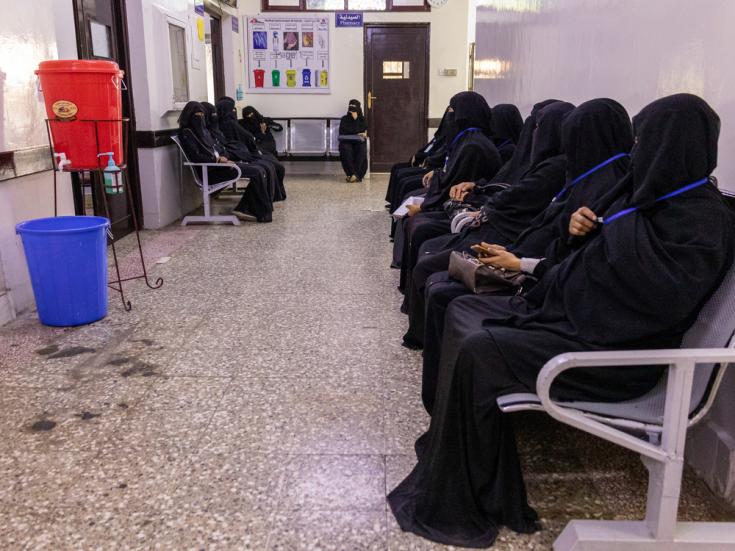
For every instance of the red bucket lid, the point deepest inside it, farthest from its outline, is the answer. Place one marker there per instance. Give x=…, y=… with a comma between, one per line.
x=79, y=66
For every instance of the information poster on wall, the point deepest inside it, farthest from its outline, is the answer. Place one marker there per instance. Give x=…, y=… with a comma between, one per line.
x=288, y=55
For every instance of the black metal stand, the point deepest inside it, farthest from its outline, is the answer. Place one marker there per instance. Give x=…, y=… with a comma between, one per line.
x=115, y=284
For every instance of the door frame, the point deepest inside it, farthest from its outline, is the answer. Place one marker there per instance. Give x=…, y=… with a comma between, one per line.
x=122, y=41
x=367, y=71
x=218, y=54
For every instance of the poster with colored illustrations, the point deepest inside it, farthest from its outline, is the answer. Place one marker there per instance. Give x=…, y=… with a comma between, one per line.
x=288, y=55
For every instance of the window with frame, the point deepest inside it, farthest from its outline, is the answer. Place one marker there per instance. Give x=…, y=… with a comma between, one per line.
x=344, y=5
x=179, y=74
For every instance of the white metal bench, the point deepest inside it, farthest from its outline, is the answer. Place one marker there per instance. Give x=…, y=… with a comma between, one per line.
x=207, y=189
x=654, y=425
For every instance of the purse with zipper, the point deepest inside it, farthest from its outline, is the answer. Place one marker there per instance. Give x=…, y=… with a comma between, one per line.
x=480, y=278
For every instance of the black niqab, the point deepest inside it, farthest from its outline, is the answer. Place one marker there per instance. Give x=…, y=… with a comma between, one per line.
x=198, y=125
x=507, y=123
x=471, y=110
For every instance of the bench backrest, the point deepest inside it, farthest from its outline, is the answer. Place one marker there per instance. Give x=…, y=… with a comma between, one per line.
x=197, y=180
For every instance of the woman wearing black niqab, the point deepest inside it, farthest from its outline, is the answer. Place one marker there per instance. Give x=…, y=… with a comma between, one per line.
x=505, y=215
x=258, y=126
x=201, y=146
x=470, y=156
x=227, y=115
x=353, y=142
x=596, y=139
x=507, y=125
x=638, y=282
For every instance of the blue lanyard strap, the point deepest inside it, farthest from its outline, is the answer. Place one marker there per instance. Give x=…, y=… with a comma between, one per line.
x=581, y=177
x=662, y=198
x=454, y=141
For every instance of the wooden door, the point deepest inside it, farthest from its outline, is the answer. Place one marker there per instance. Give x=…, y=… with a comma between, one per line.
x=102, y=34
x=396, y=91
x=218, y=65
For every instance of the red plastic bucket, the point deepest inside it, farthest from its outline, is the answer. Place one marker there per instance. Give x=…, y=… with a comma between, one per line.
x=79, y=91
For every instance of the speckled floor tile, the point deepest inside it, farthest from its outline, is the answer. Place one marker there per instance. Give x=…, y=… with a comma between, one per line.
x=334, y=483
x=328, y=530
x=261, y=399
x=299, y=416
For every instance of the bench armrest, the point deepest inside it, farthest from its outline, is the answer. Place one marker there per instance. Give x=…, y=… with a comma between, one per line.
x=681, y=364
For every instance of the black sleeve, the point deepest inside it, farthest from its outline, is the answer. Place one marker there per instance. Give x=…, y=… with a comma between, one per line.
x=194, y=150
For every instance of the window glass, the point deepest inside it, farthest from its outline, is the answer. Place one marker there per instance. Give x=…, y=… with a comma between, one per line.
x=325, y=4
x=177, y=41
x=284, y=3
x=366, y=5
x=396, y=70
x=408, y=3
x=101, y=46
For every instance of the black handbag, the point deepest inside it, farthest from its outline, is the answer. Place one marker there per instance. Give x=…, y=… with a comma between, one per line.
x=480, y=278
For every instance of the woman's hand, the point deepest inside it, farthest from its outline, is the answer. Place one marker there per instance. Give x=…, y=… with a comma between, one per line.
x=459, y=191
x=354, y=115
x=582, y=222
x=426, y=180
x=499, y=257
x=263, y=128
x=413, y=209
x=223, y=159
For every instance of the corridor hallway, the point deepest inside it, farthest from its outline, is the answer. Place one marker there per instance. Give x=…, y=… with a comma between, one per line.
x=259, y=400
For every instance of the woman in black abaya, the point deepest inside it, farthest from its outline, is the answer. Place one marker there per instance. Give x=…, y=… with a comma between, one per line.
x=470, y=156
x=202, y=147
x=596, y=138
x=227, y=115
x=505, y=214
x=353, y=142
x=258, y=126
x=638, y=282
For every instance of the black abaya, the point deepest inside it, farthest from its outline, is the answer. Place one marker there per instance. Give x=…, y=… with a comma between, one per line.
x=621, y=290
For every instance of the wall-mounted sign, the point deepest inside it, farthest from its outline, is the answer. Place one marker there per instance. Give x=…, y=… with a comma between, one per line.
x=199, y=7
x=235, y=25
x=347, y=19
x=287, y=55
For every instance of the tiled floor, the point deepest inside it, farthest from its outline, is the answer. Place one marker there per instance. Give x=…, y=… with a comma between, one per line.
x=259, y=400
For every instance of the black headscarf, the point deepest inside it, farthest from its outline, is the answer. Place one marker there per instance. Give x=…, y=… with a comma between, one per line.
x=471, y=110
x=226, y=109
x=348, y=125
x=518, y=164
x=251, y=119
x=507, y=123
x=592, y=133
x=197, y=125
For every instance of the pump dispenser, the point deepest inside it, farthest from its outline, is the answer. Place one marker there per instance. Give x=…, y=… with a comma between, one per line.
x=111, y=173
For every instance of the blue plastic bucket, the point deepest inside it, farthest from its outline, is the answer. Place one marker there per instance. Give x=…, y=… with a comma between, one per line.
x=67, y=261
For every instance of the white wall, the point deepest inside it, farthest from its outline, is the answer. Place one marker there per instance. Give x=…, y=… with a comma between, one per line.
x=30, y=33
x=449, y=50
x=154, y=110
x=633, y=51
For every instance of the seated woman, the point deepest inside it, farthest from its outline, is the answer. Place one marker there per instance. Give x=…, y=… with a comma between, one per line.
x=507, y=125
x=505, y=214
x=260, y=127
x=470, y=155
x=233, y=131
x=353, y=143
x=596, y=138
x=621, y=290
x=201, y=147
x=430, y=154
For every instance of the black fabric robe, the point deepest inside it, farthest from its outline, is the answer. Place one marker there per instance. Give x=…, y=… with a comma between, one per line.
x=622, y=289
x=251, y=120
x=201, y=146
x=592, y=134
x=506, y=214
x=470, y=155
x=227, y=115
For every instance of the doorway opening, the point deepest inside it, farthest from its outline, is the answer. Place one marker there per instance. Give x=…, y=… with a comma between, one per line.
x=396, y=91
x=213, y=57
